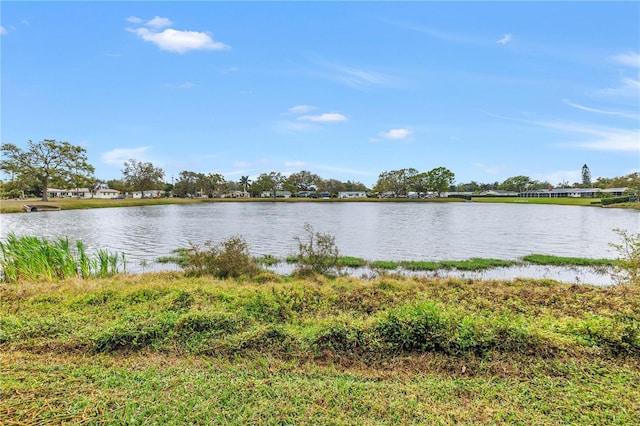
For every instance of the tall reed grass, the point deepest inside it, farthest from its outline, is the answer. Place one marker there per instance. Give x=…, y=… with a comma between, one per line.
x=31, y=258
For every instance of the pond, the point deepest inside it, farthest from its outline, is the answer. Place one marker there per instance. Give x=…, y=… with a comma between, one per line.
x=371, y=230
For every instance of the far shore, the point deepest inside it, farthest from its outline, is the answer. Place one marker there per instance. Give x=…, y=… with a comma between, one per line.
x=16, y=206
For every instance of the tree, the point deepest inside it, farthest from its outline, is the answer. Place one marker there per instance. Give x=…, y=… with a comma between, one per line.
x=332, y=186
x=397, y=182
x=440, y=180
x=271, y=182
x=211, y=183
x=142, y=176
x=586, y=177
x=355, y=186
x=46, y=161
x=304, y=181
x=516, y=183
x=118, y=185
x=187, y=184
x=245, y=183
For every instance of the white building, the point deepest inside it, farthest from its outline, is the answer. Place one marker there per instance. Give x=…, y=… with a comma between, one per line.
x=352, y=194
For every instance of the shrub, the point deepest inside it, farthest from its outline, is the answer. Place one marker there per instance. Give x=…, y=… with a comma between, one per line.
x=317, y=253
x=228, y=259
x=627, y=269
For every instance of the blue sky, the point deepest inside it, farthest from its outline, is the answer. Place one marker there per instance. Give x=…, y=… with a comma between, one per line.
x=342, y=89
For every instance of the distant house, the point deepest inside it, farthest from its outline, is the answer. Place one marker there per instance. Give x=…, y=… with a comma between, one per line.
x=452, y=194
x=307, y=194
x=104, y=193
x=151, y=193
x=573, y=193
x=279, y=194
x=56, y=193
x=352, y=194
x=500, y=193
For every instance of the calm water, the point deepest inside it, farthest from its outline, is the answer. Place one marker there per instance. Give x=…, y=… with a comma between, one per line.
x=389, y=231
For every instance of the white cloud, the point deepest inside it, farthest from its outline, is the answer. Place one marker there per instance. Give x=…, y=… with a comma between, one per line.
x=118, y=156
x=158, y=22
x=171, y=39
x=396, y=134
x=504, y=40
x=324, y=118
x=3, y=30
x=631, y=59
x=179, y=41
x=301, y=109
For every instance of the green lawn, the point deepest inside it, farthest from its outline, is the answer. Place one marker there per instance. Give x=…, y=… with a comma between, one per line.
x=166, y=349
x=561, y=201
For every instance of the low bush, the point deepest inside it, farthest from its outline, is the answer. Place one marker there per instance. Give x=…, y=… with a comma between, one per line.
x=317, y=254
x=627, y=269
x=228, y=259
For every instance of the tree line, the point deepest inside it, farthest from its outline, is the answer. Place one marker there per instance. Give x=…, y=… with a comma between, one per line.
x=50, y=163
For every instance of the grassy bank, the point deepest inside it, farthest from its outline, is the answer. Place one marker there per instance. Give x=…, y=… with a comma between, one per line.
x=15, y=206
x=164, y=348
x=566, y=201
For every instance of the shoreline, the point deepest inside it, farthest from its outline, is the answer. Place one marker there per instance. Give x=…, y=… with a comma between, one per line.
x=16, y=206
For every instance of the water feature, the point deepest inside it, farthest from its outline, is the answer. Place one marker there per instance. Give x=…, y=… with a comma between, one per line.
x=374, y=231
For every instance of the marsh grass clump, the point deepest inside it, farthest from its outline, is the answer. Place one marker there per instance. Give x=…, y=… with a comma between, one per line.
x=228, y=259
x=32, y=258
x=351, y=262
x=384, y=264
x=543, y=259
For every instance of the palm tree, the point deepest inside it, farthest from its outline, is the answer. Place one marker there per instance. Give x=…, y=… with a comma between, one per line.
x=246, y=183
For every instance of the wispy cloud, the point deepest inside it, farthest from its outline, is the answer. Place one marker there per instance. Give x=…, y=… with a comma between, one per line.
x=505, y=39
x=434, y=32
x=630, y=86
x=601, y=138
x=631, y=59
x=294, y=126
x=598, y=138
x=352, y=76
x=118, y=156
x=492, y=170
x=345, y=170
x=301, y=109
x=600, y=111
x=560, y=177
x=185, y=85
x=396, y=134
x=296, y=163
x=333, y=117
x=173, y=40
x=242, y=164
x=3, y=30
